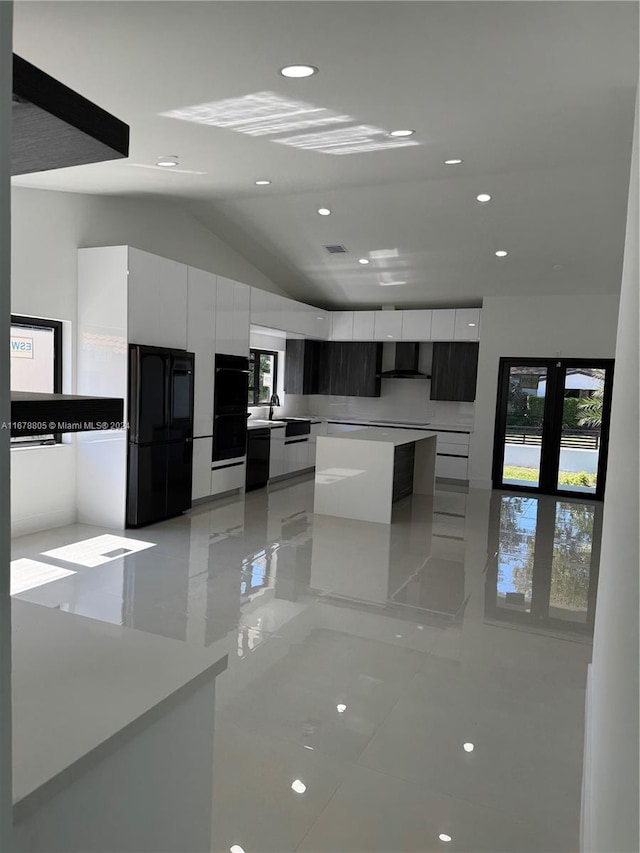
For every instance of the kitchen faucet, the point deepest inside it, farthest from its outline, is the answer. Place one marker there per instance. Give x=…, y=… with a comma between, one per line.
x=274, y=401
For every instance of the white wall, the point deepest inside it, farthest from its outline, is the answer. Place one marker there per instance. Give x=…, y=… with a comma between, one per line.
x=47, y=230
x=6, y=14
x=581, y=326
x=610, y=795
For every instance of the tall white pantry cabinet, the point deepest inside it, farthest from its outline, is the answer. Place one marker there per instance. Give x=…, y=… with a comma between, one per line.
x=129, y=296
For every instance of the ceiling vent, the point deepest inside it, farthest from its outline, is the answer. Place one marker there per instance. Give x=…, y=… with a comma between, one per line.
x=336, y=250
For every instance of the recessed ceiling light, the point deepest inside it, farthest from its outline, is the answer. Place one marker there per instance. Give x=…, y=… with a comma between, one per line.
x=483, y=198
x=235, y=848
x=452, y=162
x=400, y=134
x=167, y=160
x=468, y=747
x=324, y=211
x=298, y=786
x=363, y=260
x=341, y=708
x=298, y=71
x=444, y=837
x=470, y=324
x=263, y=183
x=319, y=318
x=501, y=253
x=391, y=283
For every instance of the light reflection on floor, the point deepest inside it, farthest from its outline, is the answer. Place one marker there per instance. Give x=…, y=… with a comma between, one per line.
x=418, y=679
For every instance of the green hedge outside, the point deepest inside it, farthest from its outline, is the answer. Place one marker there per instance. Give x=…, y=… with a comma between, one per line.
x=565, y=478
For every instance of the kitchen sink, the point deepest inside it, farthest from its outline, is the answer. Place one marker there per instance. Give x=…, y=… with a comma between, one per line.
x=296, y=426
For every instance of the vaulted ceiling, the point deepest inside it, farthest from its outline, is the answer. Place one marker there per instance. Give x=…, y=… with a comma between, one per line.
x=536, y=98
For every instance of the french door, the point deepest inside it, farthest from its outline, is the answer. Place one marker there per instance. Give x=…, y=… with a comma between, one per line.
x=552, y=426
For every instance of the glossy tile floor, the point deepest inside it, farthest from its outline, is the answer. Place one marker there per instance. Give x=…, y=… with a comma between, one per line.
x=411, y=687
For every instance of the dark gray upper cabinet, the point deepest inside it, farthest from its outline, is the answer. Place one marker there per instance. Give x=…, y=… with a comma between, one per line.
x=348, y=369
x=301, y=366
x=454, y=371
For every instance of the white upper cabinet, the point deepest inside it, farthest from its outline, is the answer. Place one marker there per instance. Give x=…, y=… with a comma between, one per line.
x=342, y=325
x=201, y=314
x=233, y=304
x=157, y=301
x=316, y=322
x=442, y=324
x=363, y=325
x=266, y=308
x=416, y=325
x=467, y=325
x=388, y=325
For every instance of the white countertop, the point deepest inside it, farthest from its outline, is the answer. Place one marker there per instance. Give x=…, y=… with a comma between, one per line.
x=81, y=688
x=387, y=436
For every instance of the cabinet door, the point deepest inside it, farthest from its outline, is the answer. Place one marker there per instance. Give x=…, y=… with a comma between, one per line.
x=363, y=324
x=224, y=316
x=363, y=366
x=241, y=318
x=321, y=324
x=157, y=301
x=388, y=325
x=454, y=371
x=342, y=325
x=294, y=367
x=276, y=454
x=442, y=324
x=201, y=322
x=467, y=325
x=416, y=325
x=201, y=482
x=232, y=317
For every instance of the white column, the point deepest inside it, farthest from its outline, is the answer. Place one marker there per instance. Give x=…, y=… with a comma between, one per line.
x=6, y=14
x=610, y=797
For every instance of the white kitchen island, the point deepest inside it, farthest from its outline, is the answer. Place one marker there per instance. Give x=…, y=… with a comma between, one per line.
x=359, y=474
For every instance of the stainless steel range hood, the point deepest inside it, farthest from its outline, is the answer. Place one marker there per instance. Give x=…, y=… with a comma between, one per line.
x=406, y=363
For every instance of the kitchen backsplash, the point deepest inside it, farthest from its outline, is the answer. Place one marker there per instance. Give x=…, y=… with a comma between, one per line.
x=401, y=399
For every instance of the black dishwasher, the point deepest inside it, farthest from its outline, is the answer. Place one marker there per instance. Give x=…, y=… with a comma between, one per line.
x=258, y=447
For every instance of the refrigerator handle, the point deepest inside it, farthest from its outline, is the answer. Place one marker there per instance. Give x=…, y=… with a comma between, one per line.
x=168, y=388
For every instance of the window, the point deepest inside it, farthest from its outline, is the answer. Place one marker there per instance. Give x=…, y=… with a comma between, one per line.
x=263, y=376
x=36, y=362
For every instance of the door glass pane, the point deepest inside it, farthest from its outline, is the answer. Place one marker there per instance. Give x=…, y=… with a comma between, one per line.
x=581, y=427
x=523, y=436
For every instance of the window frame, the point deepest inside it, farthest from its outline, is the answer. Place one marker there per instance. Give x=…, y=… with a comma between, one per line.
x=254, y=392
x=56, y=326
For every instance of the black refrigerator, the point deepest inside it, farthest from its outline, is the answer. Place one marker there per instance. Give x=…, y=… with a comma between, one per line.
x=160, y=453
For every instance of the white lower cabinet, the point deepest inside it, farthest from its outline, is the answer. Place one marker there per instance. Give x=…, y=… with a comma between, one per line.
x=276, y=452
x=296, y=455
x=201, y=482
x=316, y=430
x=452, y=467
x=231, y=475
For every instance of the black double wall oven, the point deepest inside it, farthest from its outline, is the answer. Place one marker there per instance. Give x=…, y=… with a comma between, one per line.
x=231, y=393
